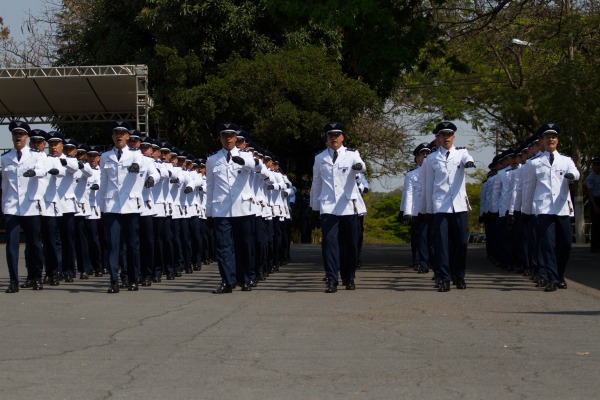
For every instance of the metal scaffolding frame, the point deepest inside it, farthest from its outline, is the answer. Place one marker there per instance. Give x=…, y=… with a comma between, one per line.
x=81, y=94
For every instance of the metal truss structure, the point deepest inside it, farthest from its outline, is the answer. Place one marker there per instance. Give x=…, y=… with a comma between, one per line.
x=83, y=94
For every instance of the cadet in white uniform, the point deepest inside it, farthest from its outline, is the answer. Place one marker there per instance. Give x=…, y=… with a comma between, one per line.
x=411, y=202
x=445, y=197
x=121, y=180
x=68, y=206
x=93, y=218
x=231, y=204
x=147, y=263
x=549, y=199
x=22, y=168
x=335, y=195
x=82, y=197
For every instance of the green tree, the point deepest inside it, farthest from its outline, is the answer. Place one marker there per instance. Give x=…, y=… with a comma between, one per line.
x=378, y=39
x=283, y=99
x=381, y=224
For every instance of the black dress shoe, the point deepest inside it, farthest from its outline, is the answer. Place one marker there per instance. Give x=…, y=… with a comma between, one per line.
x=444, y=287
x=461, y=284
x=551, y=287
x=331, y=288
x=37, y=285
x=156, y=279
x=541, y=283
x=246, y=287
x=13, y=287
x=224, y=288
x=178, y=274
x=114, y=288
x=562, y=285
x=350, y=285
x=170, y=277
x=198, y=267
x=27, y=284
x=98, y=274
x=46, y=279
x=133, y=287
x=422, y=270
x=84, y=275
x=189, y=270
x=123, y=284
x=69, y=279
x=253, y=284
x=52, y=281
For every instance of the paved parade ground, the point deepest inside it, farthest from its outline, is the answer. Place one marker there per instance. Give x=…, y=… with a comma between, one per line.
x=395, y=337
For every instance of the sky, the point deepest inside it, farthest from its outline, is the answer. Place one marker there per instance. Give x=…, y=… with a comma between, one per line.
x=15, y=11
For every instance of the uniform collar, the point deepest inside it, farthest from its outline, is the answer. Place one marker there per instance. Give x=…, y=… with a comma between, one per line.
x=234, y=152
x=341, y=150
x=443, y=151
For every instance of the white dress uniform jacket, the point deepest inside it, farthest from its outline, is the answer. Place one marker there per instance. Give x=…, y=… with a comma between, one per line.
x=228, y=185
x=334, y=189
x=160, y=191
x=444, y=186
x=506, y=181
x=120, y=190
x=545, y=188
x=93, y=196
x=411, y=196
x=82, y=191
x=20, y=195
x=51, y=198
x=66, y=186
x=149, y=209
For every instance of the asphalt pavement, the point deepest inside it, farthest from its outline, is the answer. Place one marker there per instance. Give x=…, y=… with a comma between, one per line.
x=395, y=337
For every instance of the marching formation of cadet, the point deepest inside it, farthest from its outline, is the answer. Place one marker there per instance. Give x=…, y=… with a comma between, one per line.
x=526, y=209
x=142, y=210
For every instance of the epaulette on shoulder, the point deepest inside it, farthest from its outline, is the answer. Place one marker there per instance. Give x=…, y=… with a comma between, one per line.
x=34, y=150
x=410, y=170
x=350, y=149
x=461, y=148
x=7, y=151
x=213, y=153
x=564, y=155
x=534, y=157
